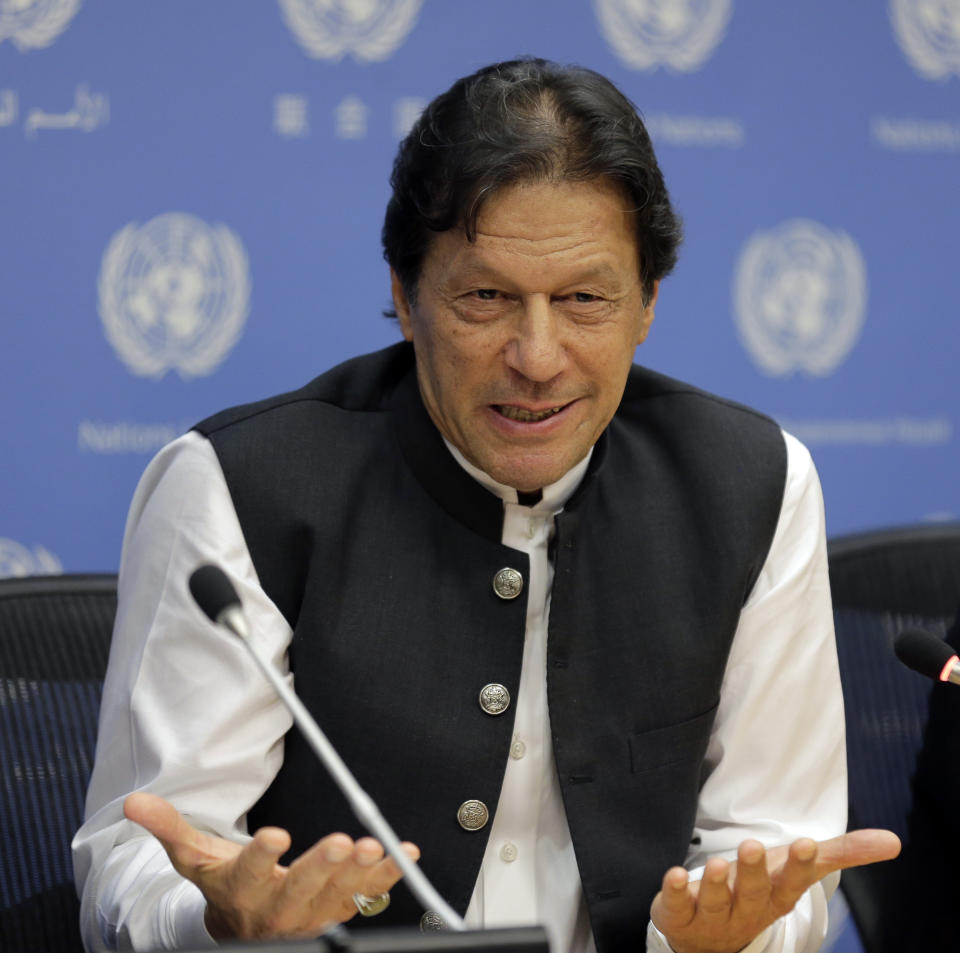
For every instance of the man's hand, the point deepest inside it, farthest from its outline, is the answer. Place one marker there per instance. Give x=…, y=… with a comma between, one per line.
x=249, y=895
x=735, y=902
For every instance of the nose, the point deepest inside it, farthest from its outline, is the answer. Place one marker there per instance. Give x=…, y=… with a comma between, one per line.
x=535, y=348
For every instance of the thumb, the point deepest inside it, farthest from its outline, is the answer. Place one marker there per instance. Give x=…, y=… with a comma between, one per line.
x=186, y=846
x=855, y=849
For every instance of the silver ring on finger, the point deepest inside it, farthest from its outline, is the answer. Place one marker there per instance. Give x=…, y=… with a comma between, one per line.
x=371, y=906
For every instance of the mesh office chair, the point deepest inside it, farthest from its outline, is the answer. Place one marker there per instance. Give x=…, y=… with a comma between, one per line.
x=882, y=583
x=54, y=639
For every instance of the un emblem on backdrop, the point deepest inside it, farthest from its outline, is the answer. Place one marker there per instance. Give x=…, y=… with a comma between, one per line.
x=370, y=30
x=174, y=295
x=680, y=34
x=33, y=24
x=17, y=560
x=799, y=297
x=929, y=33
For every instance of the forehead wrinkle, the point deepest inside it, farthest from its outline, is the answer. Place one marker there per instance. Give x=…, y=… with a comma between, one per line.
x=532, y=245
x=551, y=244
x=581, y=260
x=581, y=241
x=481, y=269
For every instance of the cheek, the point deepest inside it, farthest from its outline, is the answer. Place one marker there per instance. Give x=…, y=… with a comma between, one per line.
x=608, y=355
x=469, y=352
x=607, y=367
x=448, y=369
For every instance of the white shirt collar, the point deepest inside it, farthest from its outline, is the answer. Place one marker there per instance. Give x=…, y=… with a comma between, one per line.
x=554, y=496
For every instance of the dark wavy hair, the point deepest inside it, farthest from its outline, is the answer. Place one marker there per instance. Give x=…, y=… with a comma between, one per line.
x=523, y=120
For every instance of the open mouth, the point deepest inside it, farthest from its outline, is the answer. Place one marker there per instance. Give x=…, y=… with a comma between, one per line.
x=526, y=416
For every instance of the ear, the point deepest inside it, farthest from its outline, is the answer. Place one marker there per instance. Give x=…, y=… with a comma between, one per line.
x=647, y=318
x=401, y=305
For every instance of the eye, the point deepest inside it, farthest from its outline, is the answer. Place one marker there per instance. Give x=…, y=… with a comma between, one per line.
x=584, y=306
x=486, y=294
x=585, y=299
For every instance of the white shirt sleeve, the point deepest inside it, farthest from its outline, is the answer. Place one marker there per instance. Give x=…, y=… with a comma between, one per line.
x=776, y=763
x=185, y=714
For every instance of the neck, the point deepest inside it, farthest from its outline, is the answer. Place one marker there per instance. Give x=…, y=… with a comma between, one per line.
x=529, y=497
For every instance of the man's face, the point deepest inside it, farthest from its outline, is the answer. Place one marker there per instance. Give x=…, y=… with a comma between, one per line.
x=524, y=338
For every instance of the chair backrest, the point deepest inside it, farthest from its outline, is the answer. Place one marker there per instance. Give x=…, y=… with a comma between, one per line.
x=882, y=583
x=54, y=640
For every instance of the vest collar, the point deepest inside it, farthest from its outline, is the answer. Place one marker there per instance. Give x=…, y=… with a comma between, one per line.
x=554, y=496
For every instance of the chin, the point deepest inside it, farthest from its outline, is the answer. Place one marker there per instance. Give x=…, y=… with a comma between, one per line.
x=529, y=471
x=528, y=479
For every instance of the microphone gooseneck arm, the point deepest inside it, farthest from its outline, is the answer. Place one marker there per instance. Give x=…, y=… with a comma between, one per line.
x=221, y=603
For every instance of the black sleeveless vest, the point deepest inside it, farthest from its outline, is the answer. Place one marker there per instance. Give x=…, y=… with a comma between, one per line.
x=380, y=551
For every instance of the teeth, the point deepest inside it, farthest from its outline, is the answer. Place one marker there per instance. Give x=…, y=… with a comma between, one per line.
x=526, y=416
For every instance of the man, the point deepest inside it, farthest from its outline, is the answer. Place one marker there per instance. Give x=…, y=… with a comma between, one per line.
x=408, y=530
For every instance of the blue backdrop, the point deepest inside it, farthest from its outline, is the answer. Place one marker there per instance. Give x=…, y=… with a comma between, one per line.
x=192, y=191
x=191, y=196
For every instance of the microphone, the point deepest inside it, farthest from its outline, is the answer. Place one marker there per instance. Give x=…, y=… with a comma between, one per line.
x=928, y=655
x=216, y=596
x=214, y=593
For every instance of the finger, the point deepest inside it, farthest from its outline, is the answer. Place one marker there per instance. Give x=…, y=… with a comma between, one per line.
x=799, y=872
x=311, y=872
x=325, y=878
x=349, y=877
x=751, y=889
x=386, y=873
x=257, y=861
x=674, y=907
x=715, y=898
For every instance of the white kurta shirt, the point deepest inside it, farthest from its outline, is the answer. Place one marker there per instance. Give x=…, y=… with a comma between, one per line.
x=188, y=716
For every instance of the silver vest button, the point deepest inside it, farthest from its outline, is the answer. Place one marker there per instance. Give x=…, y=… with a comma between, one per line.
x=494, y=698
x=518, y=749
x=508, y=583
x=431, y=922
x=473, y=815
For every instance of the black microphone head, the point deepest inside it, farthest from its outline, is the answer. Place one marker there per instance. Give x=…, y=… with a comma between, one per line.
x=923, y=652
x=212, y=590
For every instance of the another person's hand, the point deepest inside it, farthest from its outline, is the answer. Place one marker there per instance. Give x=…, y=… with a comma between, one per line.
x=735, y=902
x=249, y=894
